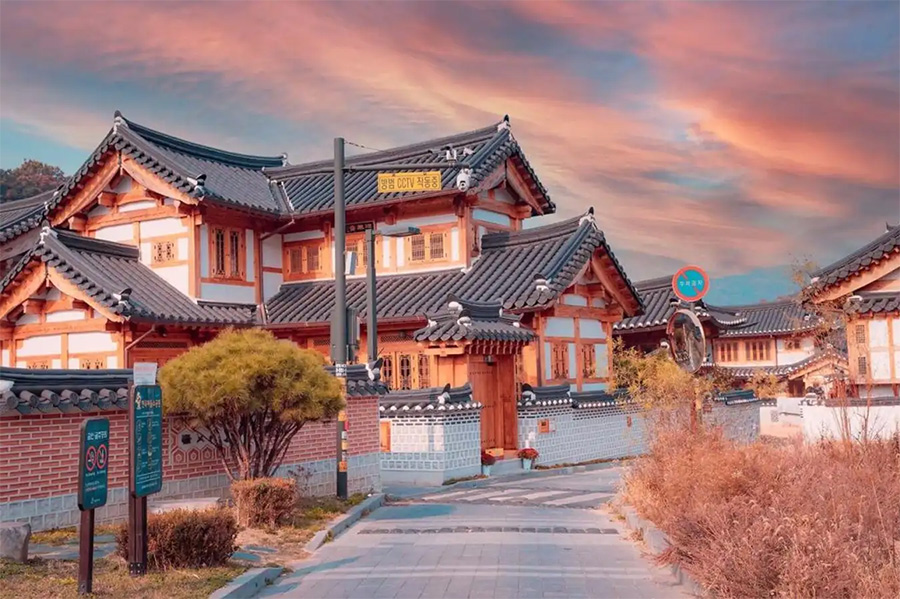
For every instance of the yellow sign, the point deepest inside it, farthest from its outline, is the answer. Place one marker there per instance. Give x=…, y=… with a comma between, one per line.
x=403, y=182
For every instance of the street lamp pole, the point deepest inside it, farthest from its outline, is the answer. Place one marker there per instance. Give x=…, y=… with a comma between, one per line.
x=372, y=306
x=339, y=330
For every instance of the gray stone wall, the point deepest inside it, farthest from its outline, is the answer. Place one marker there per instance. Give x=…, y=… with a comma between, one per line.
x=739, y=421
x=582, y=435
x=314, y=478
x=433, y=448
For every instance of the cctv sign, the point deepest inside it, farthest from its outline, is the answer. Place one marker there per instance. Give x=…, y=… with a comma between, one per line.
x=405, y=182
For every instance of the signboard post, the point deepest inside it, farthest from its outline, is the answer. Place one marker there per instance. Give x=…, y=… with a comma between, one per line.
x=404, y=182
x=93, y=476
x=145, y=449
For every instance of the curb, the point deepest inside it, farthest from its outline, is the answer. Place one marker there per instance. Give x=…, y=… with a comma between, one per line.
x=338, y=526
x=657, y=542
x=247, y=584
x=481, y=482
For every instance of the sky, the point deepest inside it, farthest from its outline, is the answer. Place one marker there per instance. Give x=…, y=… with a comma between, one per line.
x=739, y=136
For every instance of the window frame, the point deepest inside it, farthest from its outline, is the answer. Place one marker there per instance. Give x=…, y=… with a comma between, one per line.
x=228, y=273
x=304, y=248
x=427, y=234
x=169, y=260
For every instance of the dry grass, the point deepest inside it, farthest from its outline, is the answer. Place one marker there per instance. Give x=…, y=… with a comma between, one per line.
x=764, y=520
x=63, y=536
x=54, y=579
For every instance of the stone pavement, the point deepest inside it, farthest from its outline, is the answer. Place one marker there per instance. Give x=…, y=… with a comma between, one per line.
x=449, y=545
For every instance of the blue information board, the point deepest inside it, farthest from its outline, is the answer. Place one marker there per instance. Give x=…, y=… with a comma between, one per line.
x=146, y=436
x=93, y=463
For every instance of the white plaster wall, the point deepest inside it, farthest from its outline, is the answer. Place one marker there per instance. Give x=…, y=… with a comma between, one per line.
x=82, y=343
x=574, y=300
x=489, y=216
x=573, y=365
x=28, y=319
x=598, y=302
x=65, y=316
x=183, y=248
x=560, y=327
x=42, y=345
x=548, y=370
x=401, y=254
x=880, y=364
x=594, y=386
x=4, y=358
x=825, y=422
x=454, y=244
x=271, y=283
x=221, y=292
x=177, y=276
x=204, y=251
x=120, y=233
x=250, y=253
x=592, y=329
x=304, y=235
x=162, y=226
x=135, y=206
x=807, y=347
x=74, y=363
x=893, y=282
x=424, y=221
x=386, y=253
x=272, y=251
x=56, y=363
x=878, y=332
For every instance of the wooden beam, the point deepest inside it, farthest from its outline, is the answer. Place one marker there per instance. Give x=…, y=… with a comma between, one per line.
x=858, y=281
x=107, y=198
x=87, y=193
x=77, y=222
x=68, y=288
x=619, y=292
x=517, y=183
x=33, y=306
x=27, y=286
x=151, y=181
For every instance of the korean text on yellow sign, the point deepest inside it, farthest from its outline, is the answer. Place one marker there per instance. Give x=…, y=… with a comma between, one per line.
x=403, y=182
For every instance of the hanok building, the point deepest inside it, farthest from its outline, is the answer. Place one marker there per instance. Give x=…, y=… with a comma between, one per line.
x=777, y=338
x=157, y=243
x=865, y=287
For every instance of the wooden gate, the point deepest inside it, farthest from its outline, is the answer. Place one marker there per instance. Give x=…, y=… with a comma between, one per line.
x=494, y=386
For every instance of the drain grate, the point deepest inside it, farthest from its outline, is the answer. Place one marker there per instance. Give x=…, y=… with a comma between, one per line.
x=458, y=529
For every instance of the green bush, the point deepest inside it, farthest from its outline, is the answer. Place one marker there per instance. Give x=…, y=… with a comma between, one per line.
x=264, y=501
x=186, y=538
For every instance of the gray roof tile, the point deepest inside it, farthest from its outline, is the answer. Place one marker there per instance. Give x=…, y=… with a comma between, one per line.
x=64, y=391
x=469, y=321
x=104, y=269
x=875, y=302
x=771, y=319
x=660, y=302
x=416, y=402
x=886, y=245
x=19, y=216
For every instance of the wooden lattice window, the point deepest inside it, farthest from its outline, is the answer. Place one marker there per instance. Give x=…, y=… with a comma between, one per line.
x=728, y=352
x=436, y=246
x=757, y=351
x=227, y=253
x=304, y=261
x=417, y=248
x=559, y=360
x=405, y=371
x=424, y=371
x=40, y=364
x=863, y=365
x=861, y=334
x=588, y=361
x=791, y=344
x=163, y=252
x=520, y=373
x=358, y=245
x=387, y=370
x=92, y=362
x=428, y=246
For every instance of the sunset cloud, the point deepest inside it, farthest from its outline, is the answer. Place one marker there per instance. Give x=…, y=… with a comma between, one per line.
x=731, y=134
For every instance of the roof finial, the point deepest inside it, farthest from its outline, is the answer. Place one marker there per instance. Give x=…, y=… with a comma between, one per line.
x=588, y=217
x=118, y=120
x=46, y=231
x=541, y=284
x=284, y=159
x=504, y=124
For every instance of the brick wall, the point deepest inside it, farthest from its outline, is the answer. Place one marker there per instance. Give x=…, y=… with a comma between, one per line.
x=39, y=463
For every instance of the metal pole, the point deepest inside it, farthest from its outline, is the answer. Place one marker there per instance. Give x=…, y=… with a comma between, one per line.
x=340, y=243
x=371, y=306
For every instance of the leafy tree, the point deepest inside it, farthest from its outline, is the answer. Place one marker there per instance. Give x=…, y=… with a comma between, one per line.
x=31, y=178
x=248, y=394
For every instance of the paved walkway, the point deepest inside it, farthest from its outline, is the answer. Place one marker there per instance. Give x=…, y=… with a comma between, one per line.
x=517, y=539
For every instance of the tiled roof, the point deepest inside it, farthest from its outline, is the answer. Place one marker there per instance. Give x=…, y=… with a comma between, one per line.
x=660, y=302
x=771, y=319
x=886, y=245
x=563, y=396
x=363, y=380
x=112, y=275
x=309, y=189
x=874, y=302
x=416, y=402
x=19, y=216
x=785, y=370
x=523, y=270
x=63, y=391
x=469, y=321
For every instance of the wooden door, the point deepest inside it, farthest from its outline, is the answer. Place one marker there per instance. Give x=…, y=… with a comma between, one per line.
x=484, y=390
x=506, y=393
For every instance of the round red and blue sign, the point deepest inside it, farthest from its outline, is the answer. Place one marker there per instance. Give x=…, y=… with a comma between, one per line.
x=690, y=283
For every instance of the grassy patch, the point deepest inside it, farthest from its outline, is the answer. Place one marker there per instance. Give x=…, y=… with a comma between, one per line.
x=587, y=463
x=62, y=536
x=453, y=481
x=54, y=579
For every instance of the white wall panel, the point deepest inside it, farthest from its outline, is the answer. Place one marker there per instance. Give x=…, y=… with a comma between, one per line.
x=4, y=358
x=42, y=345
x=116, y=233
x=184, y=249
x=560, y=327
x=304, y=235
x=82, y=343
x=424, y=221
x=221, y=292
x=204, y=251
x=271, y=283
x=135, y=206
x=272, y=251
x=386, y=252
x=574, y=300
x=65, y=316
x=548, y=369
x=878, y=333
x=573, y=364
x=251, y=251
x=881, y=365
x=177, y=276
x=490, y=216
x=162, y=226
x=401, y=253
x=592, y=329
x=454, y=244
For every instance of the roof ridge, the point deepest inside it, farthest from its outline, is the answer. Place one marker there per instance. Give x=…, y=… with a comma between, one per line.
x=154, y=136
x=80, y=243
x=892, y=232
x=19, y=203
x=379, y=156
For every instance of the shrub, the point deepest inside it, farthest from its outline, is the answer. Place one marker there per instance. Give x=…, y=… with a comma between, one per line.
x=264, y=501
x=759, y=520
x=528, y=453
x=186, y=538
x=248, y=394
x=487, y=459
